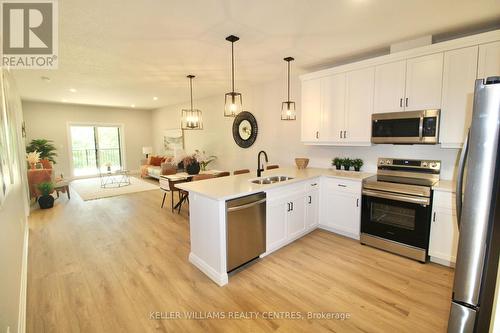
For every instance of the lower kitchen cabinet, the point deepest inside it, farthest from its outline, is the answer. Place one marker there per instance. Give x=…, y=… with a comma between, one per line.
x=443, y=240
x=341, y=207
x=296, y=216
x=276, y=231
x=312, y=209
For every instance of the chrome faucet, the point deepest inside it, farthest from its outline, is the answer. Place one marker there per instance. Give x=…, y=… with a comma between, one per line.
x=259, y=168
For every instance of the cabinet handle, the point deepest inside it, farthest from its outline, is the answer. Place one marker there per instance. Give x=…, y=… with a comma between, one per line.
x=291, y=203
x=357, y=202
x=406, y=101
x=317, y=134
x=310, y=200
x=341, y=185
x=345, y=134
x=340, y=134
x=288, y=209
x=314, y=184
x=401, y=102
x=434, y=217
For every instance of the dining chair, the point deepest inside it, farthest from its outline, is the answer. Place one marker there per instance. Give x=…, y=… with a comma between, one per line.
x=223, y=174
x=239, y=172
x=172, y=189
x=272, y=166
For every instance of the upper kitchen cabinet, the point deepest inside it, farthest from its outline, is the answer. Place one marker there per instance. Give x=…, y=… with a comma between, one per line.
x=359, y=106
x=459, y=75
x=390, y=81
x=333, y=115
x=424, y=77
x=311, y=110
x=489, y=60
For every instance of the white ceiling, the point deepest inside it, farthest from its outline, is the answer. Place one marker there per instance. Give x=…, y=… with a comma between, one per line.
x=124, y=52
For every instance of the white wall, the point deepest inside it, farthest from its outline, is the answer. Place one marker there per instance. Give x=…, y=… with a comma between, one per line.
x=13, y=237
x=280, y=139
x=50, y=120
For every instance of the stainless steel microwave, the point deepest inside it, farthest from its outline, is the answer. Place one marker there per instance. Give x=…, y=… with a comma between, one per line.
x=408, y=127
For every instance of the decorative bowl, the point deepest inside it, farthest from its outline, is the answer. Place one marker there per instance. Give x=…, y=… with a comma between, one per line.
x=301, y=162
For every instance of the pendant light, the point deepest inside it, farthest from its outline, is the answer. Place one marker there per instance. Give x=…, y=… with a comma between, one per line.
x=191, y=118
x=288, y=107
x=233, y=102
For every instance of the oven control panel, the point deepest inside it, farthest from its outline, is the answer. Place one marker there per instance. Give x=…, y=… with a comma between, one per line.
x=402, y=163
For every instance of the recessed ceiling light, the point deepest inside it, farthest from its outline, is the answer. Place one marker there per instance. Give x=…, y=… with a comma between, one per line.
x=133, y=105
x=64, y=100
x=73, y=90
x=155, y=98
x=45, y=78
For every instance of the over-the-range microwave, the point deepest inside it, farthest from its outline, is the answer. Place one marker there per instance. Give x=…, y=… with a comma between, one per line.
x=407, y=127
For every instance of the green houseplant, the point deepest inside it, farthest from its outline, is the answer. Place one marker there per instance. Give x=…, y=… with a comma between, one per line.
x=347, y=163
x=45, y=147
x=357, y=164
x=46, y=200
x=337, y=162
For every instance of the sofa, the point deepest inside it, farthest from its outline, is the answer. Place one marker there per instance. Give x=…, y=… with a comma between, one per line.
x=156, y=166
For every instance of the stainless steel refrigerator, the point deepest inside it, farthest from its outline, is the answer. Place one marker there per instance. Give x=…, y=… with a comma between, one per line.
x=478, y=214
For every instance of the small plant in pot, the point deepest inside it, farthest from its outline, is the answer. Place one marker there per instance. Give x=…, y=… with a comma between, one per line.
x=347, y=163
x=357, y=164
x=191, y=165
x=46, y=200
x=337, y=162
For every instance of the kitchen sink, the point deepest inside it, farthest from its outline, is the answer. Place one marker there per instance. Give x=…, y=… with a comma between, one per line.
x=270, y=180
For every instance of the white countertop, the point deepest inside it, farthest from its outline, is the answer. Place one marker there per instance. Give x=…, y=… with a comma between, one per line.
x=230, y=187
x=445, y=186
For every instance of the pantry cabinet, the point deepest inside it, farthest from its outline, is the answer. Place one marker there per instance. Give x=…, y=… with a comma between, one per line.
x=489, y=60
x=444, y=234
x=459, y=74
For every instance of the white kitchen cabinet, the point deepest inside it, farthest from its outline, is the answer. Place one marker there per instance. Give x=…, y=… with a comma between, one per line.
x=276, y=232
x=296, y=223
x=359, y=106
x=341, y=206
x=390, y=80
x=312, y=209
x=444, y=234
x=424, y=77
x=459, y=75
x=489, y=60
x=333, y=112
x=311, y=110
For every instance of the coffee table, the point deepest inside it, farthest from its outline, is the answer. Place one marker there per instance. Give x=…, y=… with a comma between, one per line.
x=113, y=179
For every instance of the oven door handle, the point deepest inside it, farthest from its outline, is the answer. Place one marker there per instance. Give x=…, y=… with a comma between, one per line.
x=421, y=128
x=397, y=197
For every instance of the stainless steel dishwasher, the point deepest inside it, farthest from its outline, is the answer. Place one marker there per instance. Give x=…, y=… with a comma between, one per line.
x=246, y=229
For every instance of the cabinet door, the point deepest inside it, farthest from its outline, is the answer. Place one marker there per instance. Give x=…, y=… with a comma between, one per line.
x=296, y=216
x=443, y=240
x=341, y=213
x=333, y=112
x=312, y=209
x=390, y=80
x=276, y=231
x=489, y=60
x=311, y=109
x=359, y=105
x=459, y=75
x=424, y=79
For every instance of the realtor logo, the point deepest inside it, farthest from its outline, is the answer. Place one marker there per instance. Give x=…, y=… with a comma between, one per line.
x=29, y=34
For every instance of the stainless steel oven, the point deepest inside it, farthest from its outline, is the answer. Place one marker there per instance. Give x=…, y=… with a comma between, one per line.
x=408, y=127
x=397, y=206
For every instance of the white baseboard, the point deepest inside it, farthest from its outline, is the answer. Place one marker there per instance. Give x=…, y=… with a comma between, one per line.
x=220, y=279
x=444, y=262
x=21, y=326
x=340, y=232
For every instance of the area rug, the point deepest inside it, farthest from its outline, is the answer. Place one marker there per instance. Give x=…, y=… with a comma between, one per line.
x=90, y=189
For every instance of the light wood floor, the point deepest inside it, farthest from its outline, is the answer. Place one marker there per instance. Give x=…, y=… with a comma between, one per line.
x=104, y=265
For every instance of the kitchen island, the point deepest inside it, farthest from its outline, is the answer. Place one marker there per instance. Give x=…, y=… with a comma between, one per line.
x=295, y=207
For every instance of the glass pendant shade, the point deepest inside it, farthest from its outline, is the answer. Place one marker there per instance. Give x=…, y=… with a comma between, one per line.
x=288, y=111
x=233, y=104
x=191, y=119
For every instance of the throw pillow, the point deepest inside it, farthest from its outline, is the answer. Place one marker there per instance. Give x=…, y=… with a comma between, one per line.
x=156, y=160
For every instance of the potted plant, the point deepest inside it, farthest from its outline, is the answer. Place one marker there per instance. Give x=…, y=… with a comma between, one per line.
x=33, y=158
x=357, y=164
x=204, y=159
x=347, y=163
x=337, y=162
x=46, y=200
x=191, y=165
x=45, y=147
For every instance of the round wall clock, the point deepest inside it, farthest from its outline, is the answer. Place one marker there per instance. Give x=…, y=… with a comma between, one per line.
x=245, y=129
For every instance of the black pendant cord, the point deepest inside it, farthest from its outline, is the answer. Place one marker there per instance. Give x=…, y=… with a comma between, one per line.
x=232, y=66
x=288, y=81
x=191, y=88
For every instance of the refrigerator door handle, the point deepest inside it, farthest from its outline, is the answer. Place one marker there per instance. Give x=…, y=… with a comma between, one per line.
x=460, y=178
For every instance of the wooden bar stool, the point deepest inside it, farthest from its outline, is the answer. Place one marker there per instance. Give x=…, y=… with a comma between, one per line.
x=272, y=166
x=239, y=172
x=223, y=174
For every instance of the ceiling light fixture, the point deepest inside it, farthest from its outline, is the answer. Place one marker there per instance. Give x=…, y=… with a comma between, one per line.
x=155, y=98
x=288, y=107
x=132, y=105
x=191, y=119
x=73, y=90
x=233, y=101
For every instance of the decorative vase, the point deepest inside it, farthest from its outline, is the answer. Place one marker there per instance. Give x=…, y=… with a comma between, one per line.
x=357, y=168
x=347, y=167
x=338, y=166
x=46, y=201
x=193, y=168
